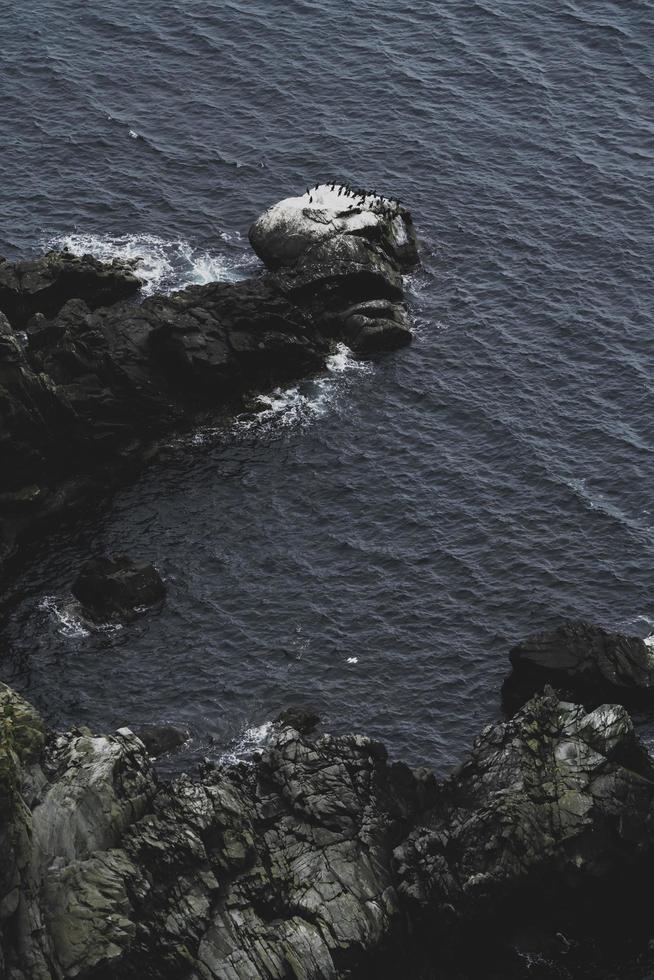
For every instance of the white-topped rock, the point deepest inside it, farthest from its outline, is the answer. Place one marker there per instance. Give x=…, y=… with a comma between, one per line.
x=337, y=251
x=287, y=229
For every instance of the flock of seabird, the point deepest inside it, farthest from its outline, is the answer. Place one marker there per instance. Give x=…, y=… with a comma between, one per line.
x=389, y=207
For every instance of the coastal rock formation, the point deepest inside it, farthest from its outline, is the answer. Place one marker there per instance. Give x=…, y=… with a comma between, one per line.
x=585, y=663
x=88, y=376
x=117, y=586
x=537, y=820
x=320, y=859
x=340, y=253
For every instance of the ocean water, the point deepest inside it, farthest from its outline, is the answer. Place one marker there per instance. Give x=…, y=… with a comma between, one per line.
x=375, y=540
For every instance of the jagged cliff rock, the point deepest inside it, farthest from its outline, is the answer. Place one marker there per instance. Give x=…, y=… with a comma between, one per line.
x=318, y=860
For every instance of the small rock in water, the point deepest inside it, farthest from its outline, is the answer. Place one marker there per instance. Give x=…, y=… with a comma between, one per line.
x=117, y=586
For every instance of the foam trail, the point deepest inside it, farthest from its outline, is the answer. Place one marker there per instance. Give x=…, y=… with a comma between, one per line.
x=72, y=624
x=312, y=400
x=164, y=265
x=297, y=406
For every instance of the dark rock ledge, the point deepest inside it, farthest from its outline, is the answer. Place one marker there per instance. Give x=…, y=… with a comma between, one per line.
x=88, y=377
x=320, y=859
x=585, y=663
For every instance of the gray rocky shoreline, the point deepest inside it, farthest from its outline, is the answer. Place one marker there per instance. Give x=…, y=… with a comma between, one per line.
x=319, y=859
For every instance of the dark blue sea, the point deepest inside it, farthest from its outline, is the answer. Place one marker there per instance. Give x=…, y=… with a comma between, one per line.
x=376, y=540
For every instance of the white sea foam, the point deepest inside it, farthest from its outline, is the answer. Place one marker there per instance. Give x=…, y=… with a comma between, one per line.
x=296, y=406
x=649, y=641
x=66, y=615
x=164, y=264
x=70, y=619
x=252, y=740
x=311, y=400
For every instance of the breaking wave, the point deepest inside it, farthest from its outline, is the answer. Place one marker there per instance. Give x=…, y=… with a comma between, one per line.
x=163, y=264
x=69, y=618
x=296, y=406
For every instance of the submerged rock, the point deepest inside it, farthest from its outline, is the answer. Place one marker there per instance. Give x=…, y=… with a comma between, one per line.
x=584, y=662
x=161, y=739
x=319, y=860
x=117, y=586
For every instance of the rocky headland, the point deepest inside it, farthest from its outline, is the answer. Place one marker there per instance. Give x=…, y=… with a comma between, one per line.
x=89, y=377
x=319, y=859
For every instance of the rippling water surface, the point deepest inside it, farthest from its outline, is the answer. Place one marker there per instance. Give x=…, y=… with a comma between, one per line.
x=377, y=540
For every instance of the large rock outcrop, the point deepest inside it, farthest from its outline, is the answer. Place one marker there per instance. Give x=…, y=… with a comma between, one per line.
x=585, y=663
x=319, y=860
x=87, y=375
x=340, y=253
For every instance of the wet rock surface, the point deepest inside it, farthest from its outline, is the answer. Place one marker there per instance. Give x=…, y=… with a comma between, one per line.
x=584, y=662
x=161, y=739
x=321, y=859
x=303, y=720
x=45, y=284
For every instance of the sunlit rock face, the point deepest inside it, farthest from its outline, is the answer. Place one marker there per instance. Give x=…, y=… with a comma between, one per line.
x=341, y=253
